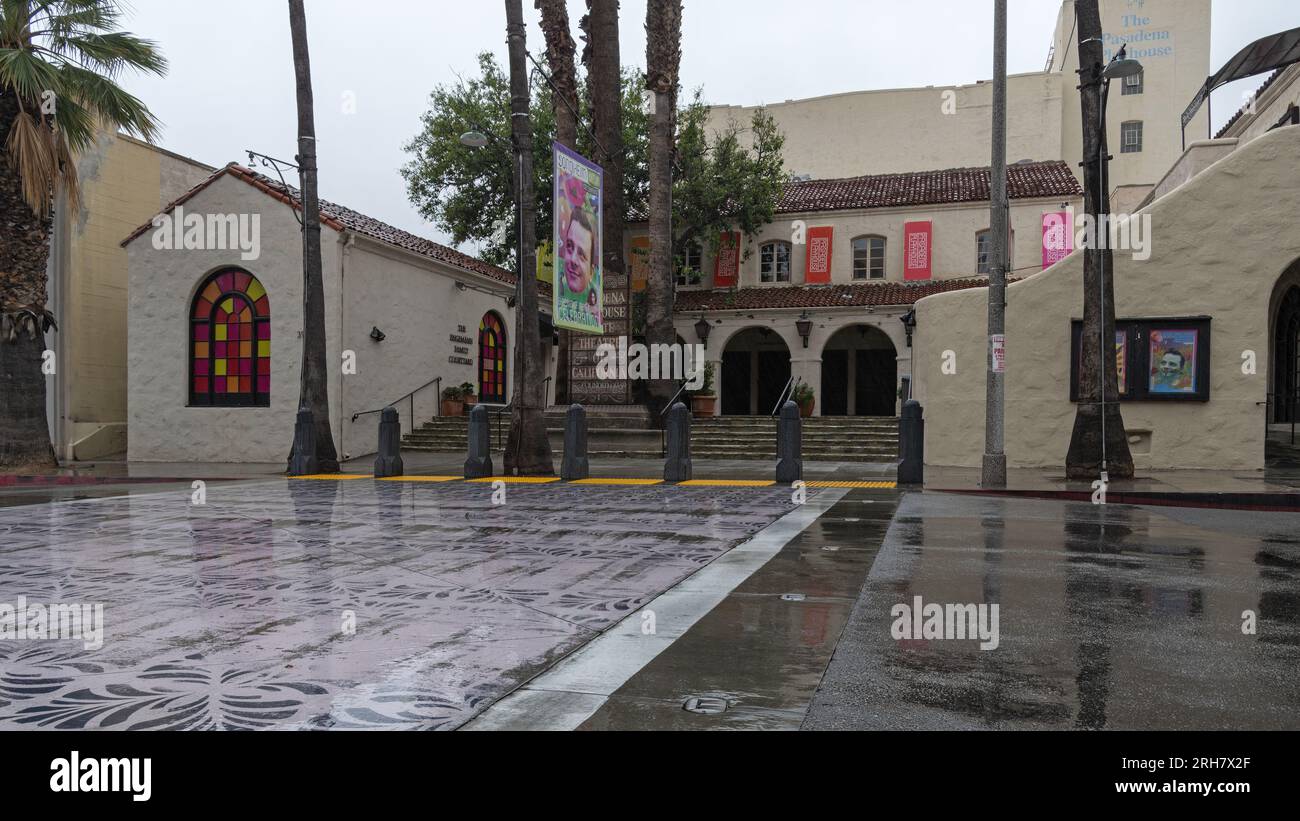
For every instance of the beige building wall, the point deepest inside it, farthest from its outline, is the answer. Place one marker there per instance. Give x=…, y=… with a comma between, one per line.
x=124, y=182
x=1223, y=243
x=954, y=248
x=910, y=129
x=1264, y=112
x=1171, y=38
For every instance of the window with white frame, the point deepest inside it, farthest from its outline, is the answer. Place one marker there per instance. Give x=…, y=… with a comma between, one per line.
x=1130, y=137
x=774, y=262
x=869, y=258
x=1135, y=83
x=691, y=268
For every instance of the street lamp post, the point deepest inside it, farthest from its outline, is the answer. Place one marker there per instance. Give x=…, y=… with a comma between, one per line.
x=994, y=473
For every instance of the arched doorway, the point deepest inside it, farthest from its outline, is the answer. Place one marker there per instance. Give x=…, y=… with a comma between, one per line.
x=859, y=373
x=755, y=370
x=1286, y=359
x=492, y=360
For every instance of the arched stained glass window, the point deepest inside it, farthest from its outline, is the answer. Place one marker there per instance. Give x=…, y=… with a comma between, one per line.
x=230, y=342
x=492, y=360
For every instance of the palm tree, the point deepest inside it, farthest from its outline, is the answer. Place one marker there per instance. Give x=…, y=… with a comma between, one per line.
x=59, y=60
x=663, y=60
x=314, y=387
x=1098, y=372
x=528, y=451
x=560, y=50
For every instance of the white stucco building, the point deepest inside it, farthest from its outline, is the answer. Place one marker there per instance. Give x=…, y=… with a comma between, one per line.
x=214, y=339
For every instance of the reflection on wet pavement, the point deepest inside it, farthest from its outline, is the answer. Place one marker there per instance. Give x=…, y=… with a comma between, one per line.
x=235, y=614
x=1111, y=617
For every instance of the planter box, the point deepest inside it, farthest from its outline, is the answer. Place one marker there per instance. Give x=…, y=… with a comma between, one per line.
x=806, y=408
x=703, y=407
x=453, y=407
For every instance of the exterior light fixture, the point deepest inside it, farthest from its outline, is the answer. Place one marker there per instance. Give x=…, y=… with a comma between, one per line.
x=460, y=286
x=909, y=324
x=702, y=329
x=473, y=139
x=1121, y=68
x=378, y=335
x=804, y=324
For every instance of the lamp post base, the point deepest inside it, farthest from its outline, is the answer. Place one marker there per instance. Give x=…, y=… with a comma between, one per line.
x=995, y=470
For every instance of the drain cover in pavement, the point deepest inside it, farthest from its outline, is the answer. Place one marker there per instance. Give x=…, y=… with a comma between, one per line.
x=705, y=705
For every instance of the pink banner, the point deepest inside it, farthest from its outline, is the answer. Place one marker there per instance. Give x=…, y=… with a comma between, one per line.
x=918, y=237
x=818, y=269
x=1058, y=237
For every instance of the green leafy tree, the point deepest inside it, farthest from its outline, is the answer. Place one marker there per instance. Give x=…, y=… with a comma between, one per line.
x=59, y=62
x=467, y=192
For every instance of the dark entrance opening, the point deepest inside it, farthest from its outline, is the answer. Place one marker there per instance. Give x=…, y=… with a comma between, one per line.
x=755, y=370
x=1286, y=362
x=859, y=373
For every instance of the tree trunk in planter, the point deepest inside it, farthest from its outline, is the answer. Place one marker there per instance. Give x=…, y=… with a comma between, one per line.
x=663, y=59
x=560, y=50
x=24, y=254
x=1098, y=370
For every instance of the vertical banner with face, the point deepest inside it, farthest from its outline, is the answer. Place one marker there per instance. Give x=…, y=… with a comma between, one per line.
x=917, y=237
x=579, y=197
x=726, y=268
x=818, y=270
x=1058, y=242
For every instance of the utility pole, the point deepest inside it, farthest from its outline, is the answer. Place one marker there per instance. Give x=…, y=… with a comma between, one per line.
x=995, y=459
x=528, y=451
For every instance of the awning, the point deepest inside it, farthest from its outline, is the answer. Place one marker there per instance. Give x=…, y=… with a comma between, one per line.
x=1266, y=54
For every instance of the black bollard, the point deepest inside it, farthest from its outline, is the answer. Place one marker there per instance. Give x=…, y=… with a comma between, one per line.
x=389, y=461
x=479, y=463
x=302, y=462
x=677, y=464
x=911, y=445
x=575, y=465
x=789, y=445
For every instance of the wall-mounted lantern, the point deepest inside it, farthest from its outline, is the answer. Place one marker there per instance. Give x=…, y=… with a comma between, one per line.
x=804, y=324
x=702, y=329
x=909, y=324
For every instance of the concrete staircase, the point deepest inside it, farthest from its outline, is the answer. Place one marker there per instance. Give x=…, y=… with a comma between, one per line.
x=627, y=436
x=825, y=438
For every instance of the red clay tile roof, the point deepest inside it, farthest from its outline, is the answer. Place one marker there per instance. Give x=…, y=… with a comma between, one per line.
x=341, y=218
x=859, y=294
x=953, y=185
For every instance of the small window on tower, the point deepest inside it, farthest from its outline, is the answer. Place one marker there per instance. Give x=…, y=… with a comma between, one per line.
x=1135, y=84
x=1130, y=134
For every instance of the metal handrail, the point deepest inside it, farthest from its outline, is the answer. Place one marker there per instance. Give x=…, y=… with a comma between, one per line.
x=787, y=391
x=410, y=396
x=673, y=401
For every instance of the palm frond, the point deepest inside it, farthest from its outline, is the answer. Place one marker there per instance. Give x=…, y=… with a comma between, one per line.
x=32, y=152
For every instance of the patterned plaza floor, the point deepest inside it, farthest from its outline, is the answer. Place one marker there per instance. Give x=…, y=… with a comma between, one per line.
x=238, y=613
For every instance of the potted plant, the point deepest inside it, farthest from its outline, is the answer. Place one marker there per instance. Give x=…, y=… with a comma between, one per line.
x=467, y=392
x=802, y=395
x=453, y=402
x=704, y=401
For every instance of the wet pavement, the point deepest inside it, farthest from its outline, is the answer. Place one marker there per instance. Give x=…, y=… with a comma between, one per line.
x=1111, y=616
x=235, y=614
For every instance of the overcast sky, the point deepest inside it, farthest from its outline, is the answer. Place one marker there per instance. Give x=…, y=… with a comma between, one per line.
x=231, y=88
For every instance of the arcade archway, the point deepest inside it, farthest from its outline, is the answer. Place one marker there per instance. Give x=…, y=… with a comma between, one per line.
x=755, y=370
x=859, y=373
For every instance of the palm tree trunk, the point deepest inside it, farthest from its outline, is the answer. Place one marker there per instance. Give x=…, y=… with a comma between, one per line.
x=560, y=50
x=24, y=254
x=605, y=89
x=528, y=451
x=314, y=390
x=663, y=59
x=1098, y=371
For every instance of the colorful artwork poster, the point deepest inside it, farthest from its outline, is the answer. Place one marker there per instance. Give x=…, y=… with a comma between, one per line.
x=1173, y=362
x=579, y=198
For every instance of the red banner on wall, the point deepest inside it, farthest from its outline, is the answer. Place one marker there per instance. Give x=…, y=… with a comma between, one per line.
x=820, y=241
x=917, y=240
x=1058, y=239
x=726, y=267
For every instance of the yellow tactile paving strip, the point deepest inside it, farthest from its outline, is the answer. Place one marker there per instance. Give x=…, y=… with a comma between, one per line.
x=550, y=480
